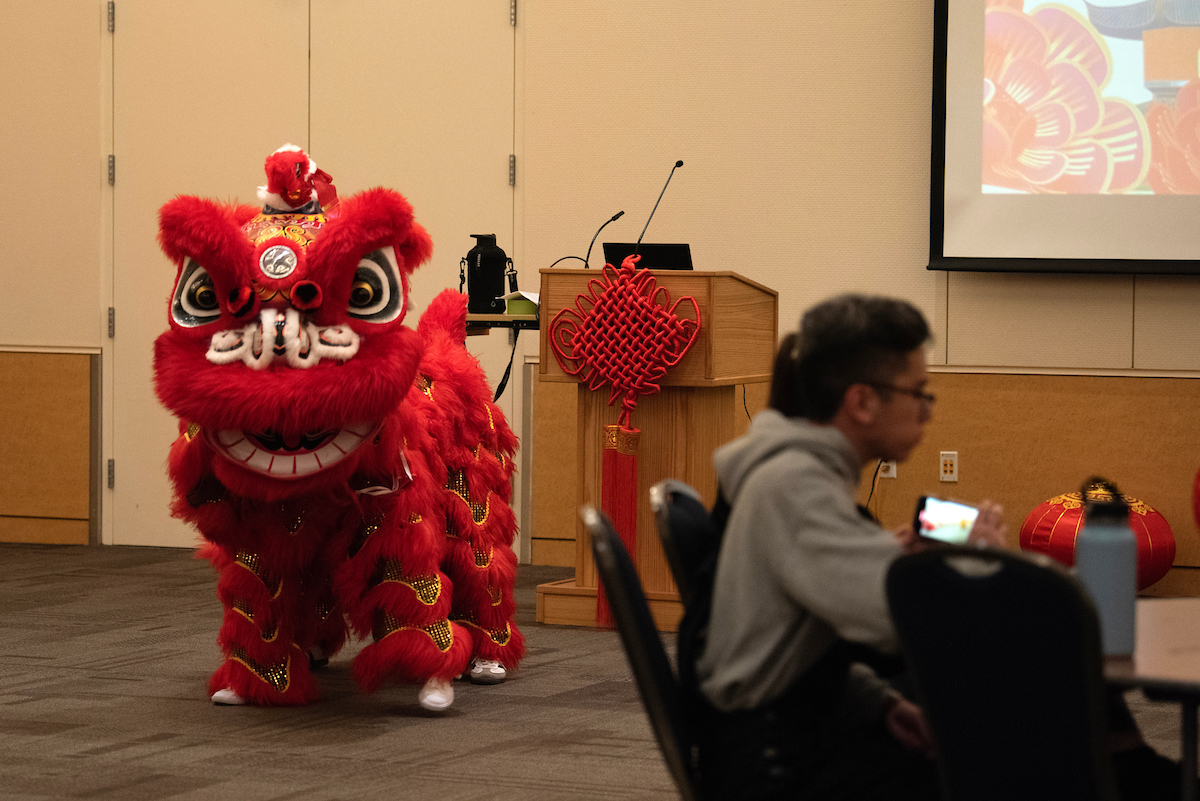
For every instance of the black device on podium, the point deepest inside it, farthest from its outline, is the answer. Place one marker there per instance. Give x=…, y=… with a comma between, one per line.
x=655, y=255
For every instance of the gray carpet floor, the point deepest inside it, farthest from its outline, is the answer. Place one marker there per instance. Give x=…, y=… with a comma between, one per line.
x=105, y=653
x=104, y=657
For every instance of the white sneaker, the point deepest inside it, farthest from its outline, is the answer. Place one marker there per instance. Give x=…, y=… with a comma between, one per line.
x=437, y=695
x=227, y=697
x=487, y=671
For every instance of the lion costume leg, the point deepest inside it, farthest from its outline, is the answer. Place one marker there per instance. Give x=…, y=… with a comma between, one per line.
x=393, y=589
x=480, y=559
x=278, y=603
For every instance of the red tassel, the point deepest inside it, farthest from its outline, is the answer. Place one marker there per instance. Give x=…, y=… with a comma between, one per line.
x=618, y=498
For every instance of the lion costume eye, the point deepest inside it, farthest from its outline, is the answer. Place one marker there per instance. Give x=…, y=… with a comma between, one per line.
x=195, y=301
x=377, y=295
x=362, y=294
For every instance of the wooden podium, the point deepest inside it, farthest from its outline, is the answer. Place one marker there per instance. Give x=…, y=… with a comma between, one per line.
x=681, y=425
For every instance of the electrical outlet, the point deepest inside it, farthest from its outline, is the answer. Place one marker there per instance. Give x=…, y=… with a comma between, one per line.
x=949, y=466
x=887, y=469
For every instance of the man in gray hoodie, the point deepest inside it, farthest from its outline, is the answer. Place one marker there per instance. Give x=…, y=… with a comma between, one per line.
x=798, y=602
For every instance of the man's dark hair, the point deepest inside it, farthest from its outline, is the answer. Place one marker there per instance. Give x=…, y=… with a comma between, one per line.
x=849, y=339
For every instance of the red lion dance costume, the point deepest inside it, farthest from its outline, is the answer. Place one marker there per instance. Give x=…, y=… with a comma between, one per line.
x=347, y=473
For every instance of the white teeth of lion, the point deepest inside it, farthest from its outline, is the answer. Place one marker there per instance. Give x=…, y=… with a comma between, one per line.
x=241, y=450
x=347, y=441
x=329, y=454
x=228, y=438
x=260, y=461
x=283, y=465
x=306, y=463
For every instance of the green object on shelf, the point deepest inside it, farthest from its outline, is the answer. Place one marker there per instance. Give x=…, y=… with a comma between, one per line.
x=522, y=306
x=521, y=302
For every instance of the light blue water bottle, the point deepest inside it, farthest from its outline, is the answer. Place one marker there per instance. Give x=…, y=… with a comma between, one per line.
x=1106, y=563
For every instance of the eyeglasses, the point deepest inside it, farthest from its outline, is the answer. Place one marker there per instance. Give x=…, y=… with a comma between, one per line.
x=919, y=394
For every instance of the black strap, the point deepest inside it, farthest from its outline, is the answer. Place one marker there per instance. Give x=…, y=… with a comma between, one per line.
x=508, y=370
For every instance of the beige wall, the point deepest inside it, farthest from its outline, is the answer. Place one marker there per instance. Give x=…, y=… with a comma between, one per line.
x=804, y=129
x=54, y=174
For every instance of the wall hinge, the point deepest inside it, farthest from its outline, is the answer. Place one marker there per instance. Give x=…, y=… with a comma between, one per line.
x=112, y=170
x=512, y=12
x=512, y=170
x=112, y=15
x=112, y=322
x=112, y=473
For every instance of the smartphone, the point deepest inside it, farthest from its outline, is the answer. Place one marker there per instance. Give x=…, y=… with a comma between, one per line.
x=944, y=521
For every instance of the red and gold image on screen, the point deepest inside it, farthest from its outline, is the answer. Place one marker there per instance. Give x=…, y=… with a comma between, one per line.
x=947, y=521
x=1091, y=97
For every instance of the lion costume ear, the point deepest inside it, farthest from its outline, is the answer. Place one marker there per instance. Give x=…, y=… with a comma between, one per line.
x=205, y=230
x=205, y=241
x=416, y=248
x=368, y=226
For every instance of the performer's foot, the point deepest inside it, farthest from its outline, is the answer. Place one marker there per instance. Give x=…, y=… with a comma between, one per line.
x=227, y=697
x=437, y=695
x=487, y=671
x=317, y=658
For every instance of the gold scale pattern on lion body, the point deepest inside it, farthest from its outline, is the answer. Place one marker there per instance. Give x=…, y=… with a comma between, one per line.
x=251, y=562
x=277, y=675
x=457, y=483
x=428, y=587
x=440, y=632
x=498, y=636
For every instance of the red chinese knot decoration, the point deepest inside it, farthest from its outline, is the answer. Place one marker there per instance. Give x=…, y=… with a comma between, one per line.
x=625, y=333
x=1051, y=528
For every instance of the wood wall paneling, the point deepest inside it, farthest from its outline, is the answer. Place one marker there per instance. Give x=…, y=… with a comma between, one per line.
x=43, y=530
x=1022, y=439
x=45, y=446
x=555, y=460
x=680, y=428
x=555, y=469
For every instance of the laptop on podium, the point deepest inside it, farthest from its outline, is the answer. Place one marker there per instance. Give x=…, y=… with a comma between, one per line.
x=655, y=255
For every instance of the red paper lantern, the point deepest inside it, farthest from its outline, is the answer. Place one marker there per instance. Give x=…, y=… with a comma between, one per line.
x=1051, y=528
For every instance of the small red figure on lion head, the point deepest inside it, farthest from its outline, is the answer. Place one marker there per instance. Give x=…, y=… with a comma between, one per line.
x=346, y=472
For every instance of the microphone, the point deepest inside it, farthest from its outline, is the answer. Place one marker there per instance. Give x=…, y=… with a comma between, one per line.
x=678, y=164
x=614, y=218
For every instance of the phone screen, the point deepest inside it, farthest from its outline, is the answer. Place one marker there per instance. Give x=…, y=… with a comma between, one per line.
x=945, y=521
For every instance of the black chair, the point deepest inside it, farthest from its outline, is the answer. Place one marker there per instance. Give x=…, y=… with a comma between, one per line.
x=1004, y=650
x=689, y=535
x=647, y=657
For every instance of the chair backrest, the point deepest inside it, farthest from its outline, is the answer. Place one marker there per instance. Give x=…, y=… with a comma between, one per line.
x=688, y=533
x=647, y=657
x=1005, y=654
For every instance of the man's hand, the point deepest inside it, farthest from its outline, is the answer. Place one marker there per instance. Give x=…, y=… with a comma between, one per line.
x=989, y=528
x=909, y=541
x=906, y=722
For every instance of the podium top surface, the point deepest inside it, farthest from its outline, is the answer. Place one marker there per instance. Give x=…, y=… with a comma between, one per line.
x=738, y=332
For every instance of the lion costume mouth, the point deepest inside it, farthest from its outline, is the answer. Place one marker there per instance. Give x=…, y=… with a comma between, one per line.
x=287, y=456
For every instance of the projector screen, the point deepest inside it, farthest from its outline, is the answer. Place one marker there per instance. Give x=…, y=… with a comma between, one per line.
x=1066, y=136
